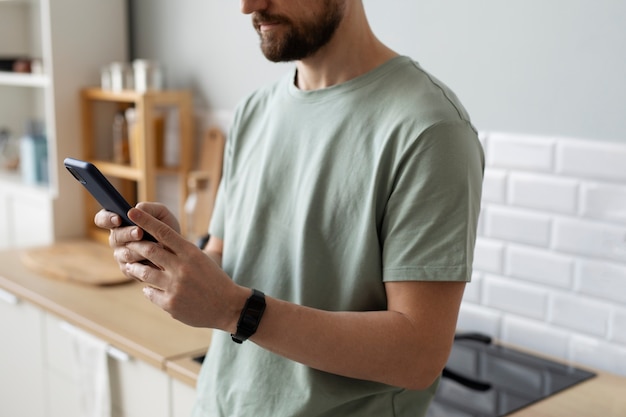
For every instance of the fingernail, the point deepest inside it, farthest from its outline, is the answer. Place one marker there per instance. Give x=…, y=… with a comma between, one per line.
x=135, y=233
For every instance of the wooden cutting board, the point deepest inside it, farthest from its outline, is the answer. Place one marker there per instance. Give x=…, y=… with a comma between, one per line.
x=81, y=261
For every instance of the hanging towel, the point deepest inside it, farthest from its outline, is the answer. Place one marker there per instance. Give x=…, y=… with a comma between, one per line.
x=92, y=365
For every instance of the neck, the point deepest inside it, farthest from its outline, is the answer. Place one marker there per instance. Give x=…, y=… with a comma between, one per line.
x=353, y=51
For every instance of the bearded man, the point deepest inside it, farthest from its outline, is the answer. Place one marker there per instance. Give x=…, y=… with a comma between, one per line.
x=343, y=232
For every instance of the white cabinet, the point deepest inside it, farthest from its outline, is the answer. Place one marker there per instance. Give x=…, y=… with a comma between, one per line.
x=61, y=373
x=24, y=215
x=183, y=398
x=73, y=39
x=40, y=375
x=136, y=388
x=21, y=364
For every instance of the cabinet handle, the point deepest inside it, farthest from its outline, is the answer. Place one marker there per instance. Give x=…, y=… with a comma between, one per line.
x=8, y=298
x=111, y=351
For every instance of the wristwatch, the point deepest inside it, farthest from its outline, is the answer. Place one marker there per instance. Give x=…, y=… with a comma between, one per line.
x=250, y=317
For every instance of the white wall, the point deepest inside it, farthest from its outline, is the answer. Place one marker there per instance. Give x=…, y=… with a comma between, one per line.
x=548, y=69
x=531, y=66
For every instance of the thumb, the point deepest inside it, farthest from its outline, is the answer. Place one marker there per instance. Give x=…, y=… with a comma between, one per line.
x=160, y=212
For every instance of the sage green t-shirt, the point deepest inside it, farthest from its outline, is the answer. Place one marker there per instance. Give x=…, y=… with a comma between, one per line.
x=325, y=196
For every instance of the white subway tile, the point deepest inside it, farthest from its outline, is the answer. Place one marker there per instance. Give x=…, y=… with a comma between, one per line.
x=602, y=279
x=580, y=314
x=517, y=226
x=535, y=335
x=604, y=201
x=483, y=137
x=480, y=228
x=519, y=298
x=474, y=318
x=521, y=152
x=494, y=185
x=598, y=355
x=590, y=159
x=472, y=289
x=541, y=266
x=543, y=192
x=590, y=239
x=619, y=327
x=488, y=255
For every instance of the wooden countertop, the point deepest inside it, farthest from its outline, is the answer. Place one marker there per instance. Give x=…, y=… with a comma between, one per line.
x=117, y=314
x=120, y=315
x=601, y=396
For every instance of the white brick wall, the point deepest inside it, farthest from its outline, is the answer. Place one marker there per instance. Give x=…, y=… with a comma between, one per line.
x=550, y=261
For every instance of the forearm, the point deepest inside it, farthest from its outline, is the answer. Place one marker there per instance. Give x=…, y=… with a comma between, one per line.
x=384, y=346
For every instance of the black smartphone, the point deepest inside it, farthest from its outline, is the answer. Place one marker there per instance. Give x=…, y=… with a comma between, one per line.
x=103, y=191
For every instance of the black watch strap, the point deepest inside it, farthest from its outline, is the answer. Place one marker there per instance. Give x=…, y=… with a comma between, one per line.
x=250, y=317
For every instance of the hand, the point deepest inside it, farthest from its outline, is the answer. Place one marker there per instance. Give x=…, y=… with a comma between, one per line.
x=120, y=236
x=186, y=282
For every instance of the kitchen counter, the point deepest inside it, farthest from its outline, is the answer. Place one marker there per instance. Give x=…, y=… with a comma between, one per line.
x=603, y=395
x=118, y=314
x=121, y=316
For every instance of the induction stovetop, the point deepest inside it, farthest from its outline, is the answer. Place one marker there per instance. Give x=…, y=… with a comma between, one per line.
x=483, y=379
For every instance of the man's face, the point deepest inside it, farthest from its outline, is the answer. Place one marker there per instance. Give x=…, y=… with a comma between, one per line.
x=298, y=35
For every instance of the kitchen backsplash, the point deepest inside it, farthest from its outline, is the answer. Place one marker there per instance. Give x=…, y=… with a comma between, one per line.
x=550, y=261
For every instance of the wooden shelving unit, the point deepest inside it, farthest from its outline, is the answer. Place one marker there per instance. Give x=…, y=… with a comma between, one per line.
x=138, y=179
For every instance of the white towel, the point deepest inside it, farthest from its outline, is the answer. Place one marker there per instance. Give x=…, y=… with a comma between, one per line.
x=90, y=355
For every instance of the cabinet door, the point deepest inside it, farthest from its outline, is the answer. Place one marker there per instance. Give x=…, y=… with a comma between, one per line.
x=5, y=238
x=138, y=389
x=183, y=398
x=61, y=373
x=21, y=362
x=25, y=218
x=32, y=220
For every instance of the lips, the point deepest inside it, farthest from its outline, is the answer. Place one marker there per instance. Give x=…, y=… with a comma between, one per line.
x=263, y=22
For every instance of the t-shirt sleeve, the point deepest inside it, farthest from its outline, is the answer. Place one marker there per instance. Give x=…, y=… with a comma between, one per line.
x=429, y=226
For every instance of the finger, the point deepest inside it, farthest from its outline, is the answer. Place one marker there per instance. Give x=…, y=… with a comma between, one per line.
x=123, y=255
x=120, y=236
x=156, y=296
x=160, y=212
x=152, y=276
x=164, y=234
x=107, y=219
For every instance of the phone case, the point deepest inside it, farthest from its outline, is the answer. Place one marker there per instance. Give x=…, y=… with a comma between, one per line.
x=101, y=189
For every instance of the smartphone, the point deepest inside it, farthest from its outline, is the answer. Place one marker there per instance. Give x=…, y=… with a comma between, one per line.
x=103, y=191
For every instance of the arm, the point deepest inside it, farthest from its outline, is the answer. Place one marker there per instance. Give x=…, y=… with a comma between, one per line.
x=406, y=345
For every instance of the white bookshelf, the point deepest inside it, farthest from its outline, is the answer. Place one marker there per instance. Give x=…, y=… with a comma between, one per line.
x=72, y=39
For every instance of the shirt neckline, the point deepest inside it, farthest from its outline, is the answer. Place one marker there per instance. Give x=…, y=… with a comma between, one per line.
x=353, y=84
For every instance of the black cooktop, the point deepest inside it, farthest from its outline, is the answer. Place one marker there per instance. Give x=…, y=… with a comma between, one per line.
x=483, y=379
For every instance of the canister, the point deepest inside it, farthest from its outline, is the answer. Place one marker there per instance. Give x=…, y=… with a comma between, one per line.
x=148, y=75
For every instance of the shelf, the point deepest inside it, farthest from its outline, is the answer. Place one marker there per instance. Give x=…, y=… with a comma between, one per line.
x=165, y=97
x=117, y=170
x=23, y=80
x=147, y=135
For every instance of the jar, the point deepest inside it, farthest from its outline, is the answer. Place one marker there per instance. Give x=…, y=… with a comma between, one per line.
x=121, y=76
x=148, y=75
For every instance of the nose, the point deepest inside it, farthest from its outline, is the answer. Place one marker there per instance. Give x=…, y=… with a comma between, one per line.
x=250, y=6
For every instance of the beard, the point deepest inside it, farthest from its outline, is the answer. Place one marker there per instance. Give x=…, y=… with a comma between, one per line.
x=300, y=39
